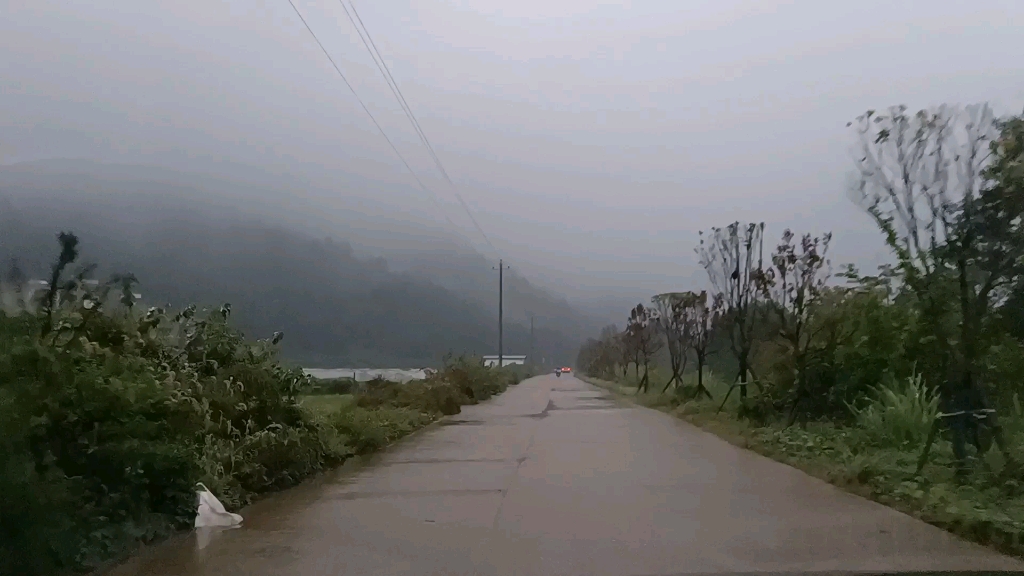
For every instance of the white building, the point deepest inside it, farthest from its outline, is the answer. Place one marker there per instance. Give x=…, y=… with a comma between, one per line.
x=506, y=360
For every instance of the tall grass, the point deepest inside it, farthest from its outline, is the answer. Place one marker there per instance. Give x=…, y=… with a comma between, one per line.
x=900, y=414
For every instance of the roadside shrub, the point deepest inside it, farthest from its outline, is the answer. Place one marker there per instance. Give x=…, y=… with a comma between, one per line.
x=900, y=414
x=1003, y=365
x=370, y=430
x=109, y=417
x=474, y=380
x=434, y=396
x=334, y=386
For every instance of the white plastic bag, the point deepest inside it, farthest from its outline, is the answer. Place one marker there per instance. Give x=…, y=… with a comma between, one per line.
x=211, y=512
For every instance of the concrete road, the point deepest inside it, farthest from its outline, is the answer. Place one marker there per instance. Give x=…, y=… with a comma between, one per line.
x=555, y=477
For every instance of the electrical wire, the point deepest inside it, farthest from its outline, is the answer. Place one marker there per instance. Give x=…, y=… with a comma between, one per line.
x=432, y=195
x=382, y=66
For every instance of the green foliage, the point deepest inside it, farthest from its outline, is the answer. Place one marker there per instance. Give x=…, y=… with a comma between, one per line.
x=435, y=396
x=1003, y=363
x=383, y=412
x=901, y=414
x=474, y=380
x=368, y=430
x=110, y=416
x=333, y=386
x=323, y=404
x=117, y=416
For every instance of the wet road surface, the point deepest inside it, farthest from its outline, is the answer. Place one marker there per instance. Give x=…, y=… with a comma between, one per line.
x=556, y=477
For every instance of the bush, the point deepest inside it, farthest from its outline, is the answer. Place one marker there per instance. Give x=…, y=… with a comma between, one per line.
x=474, y=380
x=370, y=430
x=435, y=396
x=334, y=386
x=900, y=414
x=109, y=417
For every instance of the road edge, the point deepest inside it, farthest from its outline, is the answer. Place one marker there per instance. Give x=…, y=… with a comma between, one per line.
x=733, y=435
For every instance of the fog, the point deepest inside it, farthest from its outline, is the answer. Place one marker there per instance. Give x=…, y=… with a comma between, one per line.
x=591, y=140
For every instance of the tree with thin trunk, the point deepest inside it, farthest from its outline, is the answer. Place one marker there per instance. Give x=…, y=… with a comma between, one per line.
x=733, y=258
x=627, y=351
x=631, y=336
x=704, y=316
x=598, y=356
x=672, y=320
x=643, y=333
x=792, y=288
x=610, y=355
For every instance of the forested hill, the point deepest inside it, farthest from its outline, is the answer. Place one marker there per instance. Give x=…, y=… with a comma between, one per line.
x=186, y=246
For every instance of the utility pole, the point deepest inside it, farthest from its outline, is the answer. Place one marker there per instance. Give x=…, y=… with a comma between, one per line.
x=501, y=311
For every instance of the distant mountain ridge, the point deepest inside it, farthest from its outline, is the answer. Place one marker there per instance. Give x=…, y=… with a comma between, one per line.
x=195, y=238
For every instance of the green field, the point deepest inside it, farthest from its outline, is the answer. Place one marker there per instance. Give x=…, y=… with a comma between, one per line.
x=324, y=404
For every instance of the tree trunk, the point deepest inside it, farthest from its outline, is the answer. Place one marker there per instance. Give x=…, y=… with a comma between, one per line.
x=677, y=360
x=742, y=376
x=800, y=383
x=700, y=378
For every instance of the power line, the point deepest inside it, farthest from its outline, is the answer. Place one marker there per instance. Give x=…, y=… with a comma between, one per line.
x=371, y=47
x=382, y=66
x=433, y=196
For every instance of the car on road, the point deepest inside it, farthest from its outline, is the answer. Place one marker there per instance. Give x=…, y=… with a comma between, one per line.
x=566, y=369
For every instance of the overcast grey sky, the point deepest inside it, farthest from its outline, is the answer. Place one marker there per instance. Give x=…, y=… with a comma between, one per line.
x=592, y=139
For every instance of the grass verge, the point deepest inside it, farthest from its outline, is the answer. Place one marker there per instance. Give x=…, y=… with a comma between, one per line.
x=986, y=508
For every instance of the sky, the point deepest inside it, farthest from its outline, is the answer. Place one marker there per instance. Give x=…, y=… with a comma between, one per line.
x=591, y=140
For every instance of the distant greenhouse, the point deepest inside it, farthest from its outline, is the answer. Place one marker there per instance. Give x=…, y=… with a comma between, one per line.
x=506, y=360
x=367, y=374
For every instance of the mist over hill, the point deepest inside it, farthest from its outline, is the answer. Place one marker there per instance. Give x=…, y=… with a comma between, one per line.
x=405, y=296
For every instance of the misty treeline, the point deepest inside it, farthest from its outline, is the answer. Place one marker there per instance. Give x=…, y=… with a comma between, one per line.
x=112, y=412
x=338, y=308
x=798, y=340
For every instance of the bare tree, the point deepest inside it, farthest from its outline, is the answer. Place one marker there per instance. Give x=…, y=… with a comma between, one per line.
x=733, y=258
x=672, y=319
x=703, y=317
x=643, y=334
x=609, y=351
x=792, y=287
x=627, y=351
x=597, y=357
x=630, y=343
